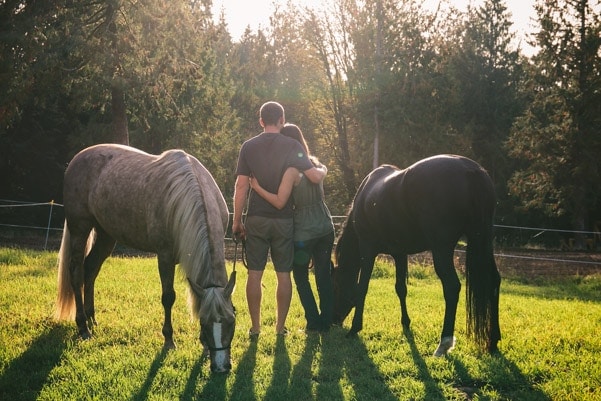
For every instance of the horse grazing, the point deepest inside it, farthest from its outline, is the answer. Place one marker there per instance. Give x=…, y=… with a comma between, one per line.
x=169, y=205
x=427, y=206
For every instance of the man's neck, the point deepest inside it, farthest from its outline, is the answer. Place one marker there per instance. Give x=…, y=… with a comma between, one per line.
x=271, y=129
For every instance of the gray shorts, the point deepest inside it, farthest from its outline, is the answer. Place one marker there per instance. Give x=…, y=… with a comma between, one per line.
x=265, y=234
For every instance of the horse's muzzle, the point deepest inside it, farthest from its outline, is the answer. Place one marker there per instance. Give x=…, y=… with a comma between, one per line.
x=220, y=361
x=226, y=368
x=218, y=369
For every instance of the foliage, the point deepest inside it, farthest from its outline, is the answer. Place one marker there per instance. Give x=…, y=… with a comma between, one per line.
x=369, y=83
x=558, y=135
x=486, y=74
x=549, y=349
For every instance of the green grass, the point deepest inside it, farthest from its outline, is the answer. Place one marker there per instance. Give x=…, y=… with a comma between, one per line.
x=550, y=348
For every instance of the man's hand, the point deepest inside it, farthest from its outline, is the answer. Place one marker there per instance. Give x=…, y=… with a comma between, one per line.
x=238, y=232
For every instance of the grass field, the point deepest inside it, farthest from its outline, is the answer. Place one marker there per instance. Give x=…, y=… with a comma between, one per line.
x=550, y=349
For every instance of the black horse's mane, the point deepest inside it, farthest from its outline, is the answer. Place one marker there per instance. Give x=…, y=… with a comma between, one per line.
x=347, y=239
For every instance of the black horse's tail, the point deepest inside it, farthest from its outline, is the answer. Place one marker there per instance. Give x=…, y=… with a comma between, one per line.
x=482, y=276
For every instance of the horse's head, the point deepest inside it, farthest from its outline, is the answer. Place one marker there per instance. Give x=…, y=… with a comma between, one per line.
x=217, y=325
x=343, y=295
x=346, y=273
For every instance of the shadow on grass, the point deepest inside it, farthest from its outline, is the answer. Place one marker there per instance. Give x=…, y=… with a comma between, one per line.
x=503, y=376
x=213, y=390
x=571, y=288
x=190, y=389
x=301, y=379
x=433, y=392
x=142, y=393
x=243, y=384
x=25, y=376
x=193, y=379
x=347, y=359
x=278, y=388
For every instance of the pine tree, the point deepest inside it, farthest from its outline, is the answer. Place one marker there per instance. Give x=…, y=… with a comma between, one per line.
x=558, y=138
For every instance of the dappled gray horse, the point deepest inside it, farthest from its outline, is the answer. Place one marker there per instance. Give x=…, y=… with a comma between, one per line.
x=169, y=205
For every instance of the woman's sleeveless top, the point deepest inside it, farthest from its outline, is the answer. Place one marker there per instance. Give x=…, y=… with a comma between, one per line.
x=312, y=219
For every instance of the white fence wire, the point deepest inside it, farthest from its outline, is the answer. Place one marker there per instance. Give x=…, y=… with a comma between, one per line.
x=593, y=237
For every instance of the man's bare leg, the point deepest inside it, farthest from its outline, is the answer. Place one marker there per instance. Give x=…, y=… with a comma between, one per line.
x=254, y=293
x=283, y=299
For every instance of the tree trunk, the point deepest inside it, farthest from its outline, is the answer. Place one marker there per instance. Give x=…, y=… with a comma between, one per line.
x=120, y=131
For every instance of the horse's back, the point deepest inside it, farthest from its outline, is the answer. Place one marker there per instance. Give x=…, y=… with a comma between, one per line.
x=99, y=169
x=448, y=178
x=432, y=201
x=108, y=184
x=126, y=192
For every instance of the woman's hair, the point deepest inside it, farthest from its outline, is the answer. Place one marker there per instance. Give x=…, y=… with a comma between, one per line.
x=294, y=132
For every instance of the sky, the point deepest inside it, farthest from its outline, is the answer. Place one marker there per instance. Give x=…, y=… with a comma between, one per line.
x=255, y=13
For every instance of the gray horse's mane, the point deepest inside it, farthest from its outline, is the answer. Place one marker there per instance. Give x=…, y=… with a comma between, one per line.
x=187, y=215
x=214, y=304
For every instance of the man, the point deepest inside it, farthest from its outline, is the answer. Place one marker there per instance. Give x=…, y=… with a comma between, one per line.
x=265, y=157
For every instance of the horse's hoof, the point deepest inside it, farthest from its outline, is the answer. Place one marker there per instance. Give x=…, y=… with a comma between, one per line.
x=445, y=346
x=85, y=335
x=169, y=345
x=493, y=349
x=351, y=334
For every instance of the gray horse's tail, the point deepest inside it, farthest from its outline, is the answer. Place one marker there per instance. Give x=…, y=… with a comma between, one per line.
x=65, y=300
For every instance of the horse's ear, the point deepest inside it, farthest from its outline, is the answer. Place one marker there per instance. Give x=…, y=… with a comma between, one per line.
x=229, y=288
x=198, y=291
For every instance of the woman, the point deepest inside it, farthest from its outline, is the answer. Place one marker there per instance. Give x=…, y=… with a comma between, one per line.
x=313, y=236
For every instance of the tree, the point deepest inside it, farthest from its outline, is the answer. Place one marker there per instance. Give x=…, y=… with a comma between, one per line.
x=558, y=138
x=80, y=73
x=328, y=36
x=485, y=75
x=397, y=66
x=36, y=111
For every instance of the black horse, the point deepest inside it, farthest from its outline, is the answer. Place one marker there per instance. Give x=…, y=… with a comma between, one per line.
x=428, y=206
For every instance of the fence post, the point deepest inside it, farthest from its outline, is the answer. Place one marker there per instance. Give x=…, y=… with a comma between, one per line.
x=49, y=220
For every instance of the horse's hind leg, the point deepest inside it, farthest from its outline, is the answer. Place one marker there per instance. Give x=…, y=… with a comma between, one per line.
x=445, y=269
x=79, y=239
x=167, y=273
x=400, y=286
x=103, y=246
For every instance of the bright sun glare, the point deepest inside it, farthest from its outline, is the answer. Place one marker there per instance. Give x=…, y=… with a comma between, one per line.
x=239, y=15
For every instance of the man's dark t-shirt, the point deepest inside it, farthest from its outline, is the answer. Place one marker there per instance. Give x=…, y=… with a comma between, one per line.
x=266, y=157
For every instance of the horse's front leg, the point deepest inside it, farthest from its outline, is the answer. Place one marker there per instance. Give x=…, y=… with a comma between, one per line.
x=445, y=269
x=400, y=286
x=367, y=266
x=167, y=273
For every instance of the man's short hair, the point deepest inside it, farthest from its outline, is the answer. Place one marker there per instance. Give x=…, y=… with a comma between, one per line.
x=271, y=112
